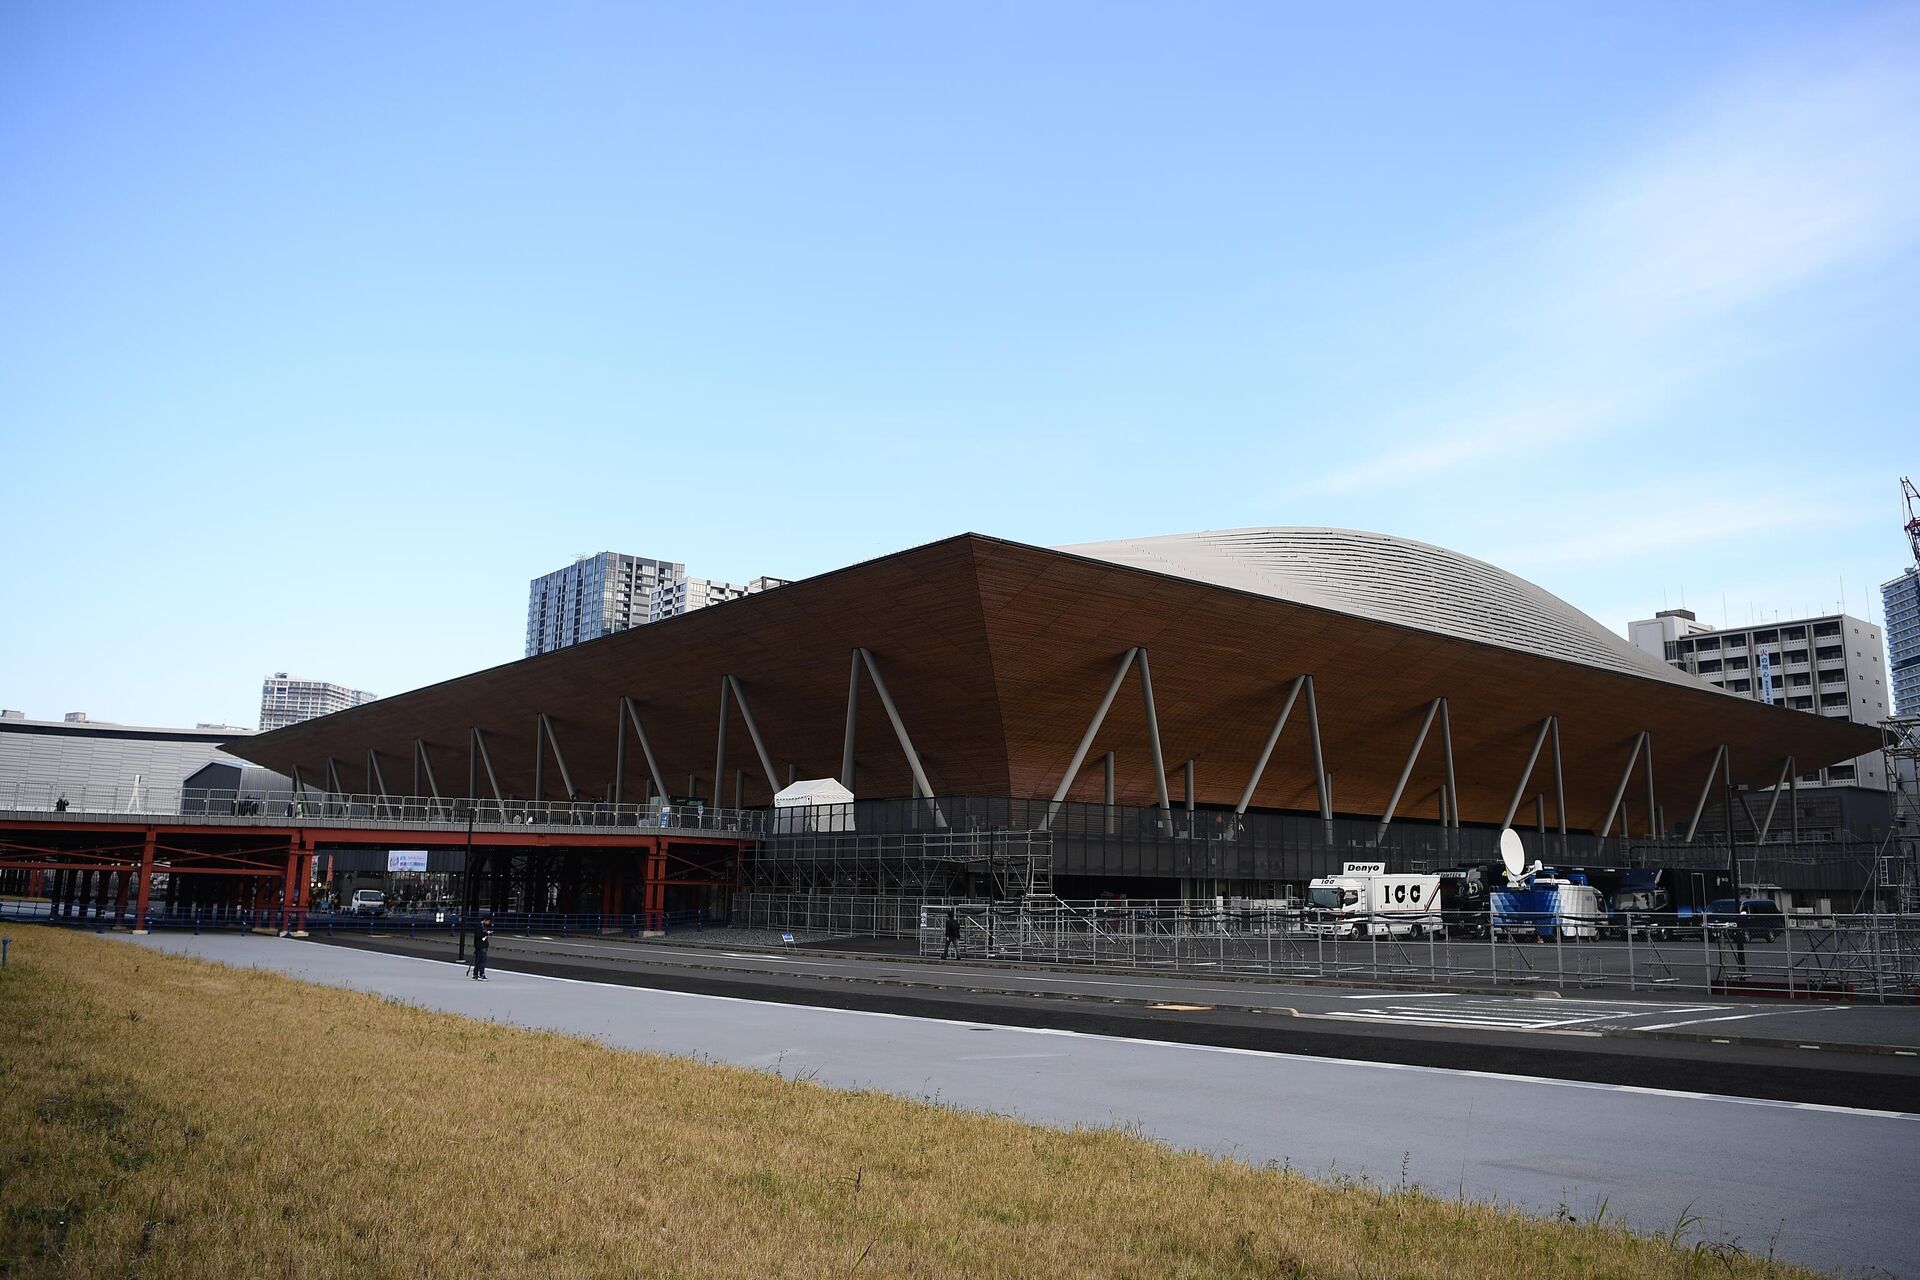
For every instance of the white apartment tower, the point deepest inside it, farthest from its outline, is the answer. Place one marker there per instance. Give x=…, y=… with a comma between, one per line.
x=672, y=599
x=1901, y=601
x=1831, y=666
x=598, y=595
x=592, y=597
x=286, y=700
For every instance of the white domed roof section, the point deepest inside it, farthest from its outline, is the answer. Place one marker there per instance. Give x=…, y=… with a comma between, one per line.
x=1389, y=579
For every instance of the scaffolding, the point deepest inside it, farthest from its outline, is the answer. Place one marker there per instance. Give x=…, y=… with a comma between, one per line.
x=812, y=879
x=1897, y=869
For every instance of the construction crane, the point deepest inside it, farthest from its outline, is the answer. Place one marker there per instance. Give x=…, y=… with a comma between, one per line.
x=1912, y=495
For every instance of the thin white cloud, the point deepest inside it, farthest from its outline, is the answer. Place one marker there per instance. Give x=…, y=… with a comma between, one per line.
x=1789, y=174
x=1519, y=432
x=1678, y=521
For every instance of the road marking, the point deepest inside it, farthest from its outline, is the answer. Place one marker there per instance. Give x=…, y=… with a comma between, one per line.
x=1403, y=995
x=1735, y=1017
x=1498, y=1013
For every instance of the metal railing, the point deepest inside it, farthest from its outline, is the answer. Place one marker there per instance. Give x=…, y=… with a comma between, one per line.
x=1870, y=957
x=831, y=914
x=226, y=805
x=328, y=921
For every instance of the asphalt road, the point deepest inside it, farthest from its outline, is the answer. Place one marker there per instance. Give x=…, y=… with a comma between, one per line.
x=1829, y=1186
x=1650, y=1043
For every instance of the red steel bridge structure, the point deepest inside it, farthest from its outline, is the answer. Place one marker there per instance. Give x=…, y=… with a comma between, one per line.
x=259, y=857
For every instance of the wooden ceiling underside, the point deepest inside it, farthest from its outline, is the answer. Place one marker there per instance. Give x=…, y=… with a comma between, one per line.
x=997, y=654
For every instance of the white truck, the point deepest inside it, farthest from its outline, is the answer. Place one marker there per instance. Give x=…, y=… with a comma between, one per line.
x=1364, y=901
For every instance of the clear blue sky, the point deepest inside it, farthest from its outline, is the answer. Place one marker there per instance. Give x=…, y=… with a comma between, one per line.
x=325, y=328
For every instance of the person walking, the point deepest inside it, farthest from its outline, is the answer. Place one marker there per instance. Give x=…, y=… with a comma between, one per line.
x=953, y=936
x=482, y=935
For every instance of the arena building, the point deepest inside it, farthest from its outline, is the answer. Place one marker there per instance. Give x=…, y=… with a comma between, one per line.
x=1195, y=714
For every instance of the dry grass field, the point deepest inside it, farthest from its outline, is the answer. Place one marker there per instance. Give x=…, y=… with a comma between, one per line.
x=165, y=1117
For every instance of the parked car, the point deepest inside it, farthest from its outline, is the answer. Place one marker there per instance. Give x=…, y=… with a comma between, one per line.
x=1747, y=919
x=367, y=902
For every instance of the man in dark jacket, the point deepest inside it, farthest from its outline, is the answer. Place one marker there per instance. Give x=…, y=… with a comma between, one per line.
x=482, y=935
x=953, y=936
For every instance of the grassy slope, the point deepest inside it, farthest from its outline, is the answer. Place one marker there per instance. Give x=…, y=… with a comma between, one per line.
x=230, y=1123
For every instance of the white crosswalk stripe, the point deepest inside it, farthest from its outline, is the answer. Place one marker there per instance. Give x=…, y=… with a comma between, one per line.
x=1497, y=1014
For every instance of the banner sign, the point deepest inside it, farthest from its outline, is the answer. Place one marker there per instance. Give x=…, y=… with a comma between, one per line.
x=1766, y=676
x=406, y=860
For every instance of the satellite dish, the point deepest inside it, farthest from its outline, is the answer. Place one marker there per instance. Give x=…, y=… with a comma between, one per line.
x=1513, y=853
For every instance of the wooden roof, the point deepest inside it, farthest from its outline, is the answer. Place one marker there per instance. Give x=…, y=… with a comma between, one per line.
x=997, y=654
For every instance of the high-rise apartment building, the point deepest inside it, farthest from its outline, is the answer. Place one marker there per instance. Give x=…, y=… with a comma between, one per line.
x=1831, y=666
x=286, y=700
x=599, y=595
x=592, y=597
x=672, y=599
x=1900, y=600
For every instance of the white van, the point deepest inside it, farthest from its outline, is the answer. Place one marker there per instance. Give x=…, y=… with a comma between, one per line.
x=367, y=902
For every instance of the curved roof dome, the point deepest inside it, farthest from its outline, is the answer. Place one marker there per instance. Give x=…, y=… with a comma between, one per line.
x=1389, y=579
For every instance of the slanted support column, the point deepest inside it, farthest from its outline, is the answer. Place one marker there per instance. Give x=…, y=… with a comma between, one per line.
x=1766, y=825
x=720, y=748
x=1559, y=790
x=1266, y=750
x=1086, y=739
x=631, y=715
x=1406, y=770
x=1793, y=805
x=1653, y=804
x=545, y=727
x=477, y=749
x=1620, y=792
x=1188, y=771
x=1451, y=801
x=1526, y=772
x=1321, y=779
x=425, y=765
x=753, y=733
x=1153, y=736
x=1706, y=789
x=376, y=780
x=900, y=732
x=333, y=777
x=853, y=721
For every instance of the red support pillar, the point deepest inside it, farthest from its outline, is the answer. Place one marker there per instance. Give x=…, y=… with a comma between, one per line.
x=290, y=885
x=654, y=888
x=146, y=882
x=306, y=888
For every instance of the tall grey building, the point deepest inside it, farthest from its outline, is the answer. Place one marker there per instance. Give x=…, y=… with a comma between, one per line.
x=672, y=599
x=1901, y=602
x=286, y=700
x=592, y=597
x=598, y=595
x=1830, y=665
